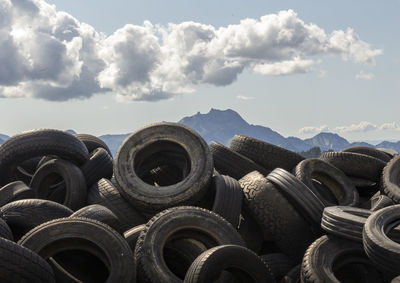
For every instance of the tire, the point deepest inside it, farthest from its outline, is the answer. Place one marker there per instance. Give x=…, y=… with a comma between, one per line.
x=163, y=144
x=370, y=151
x=245, y=265
x=92, y=142
x=105, y=193
x=231, y=163
x=334, y=179
x=99, y=213
x=277, y=217
x=30, y=144
x=250, y=230
x=299, y=195
x=380, y=201
x=5, y=231
x=345, y=221
x=355, y=164
x=195, y=223
x=23, y=215
x=331, y=259
x=88, y=235
x=19, y=264
x=265, y=154
x=75, y=185
x=99, y=165
x=390, y=176
x=15, y=191
x=279, y=264
x=132, y=235
x=383, y=252
x=228, y=199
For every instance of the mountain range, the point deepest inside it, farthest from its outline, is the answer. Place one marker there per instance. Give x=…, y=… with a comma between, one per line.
x=222, y=125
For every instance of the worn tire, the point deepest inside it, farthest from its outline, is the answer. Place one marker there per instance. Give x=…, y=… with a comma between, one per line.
x=279, y=264
x=231, y=163
x=390, y=179
x=5, y=231
x=99, y=165
x=19, y=264
x=228, y=198
x=75, y=185
x=104, y=193
x=199, y=224
x=334, y=179
x=326, y=260
x=99, y=213
x=277, y=217
x=265, y=154
x=92, y=142
x=35, y=143
x=88, y=235
x=15, y=191
x=370, y=151
x=244, y=264
x=355, y=164
x=23, y=215
x=162, y=144
x=383, y=252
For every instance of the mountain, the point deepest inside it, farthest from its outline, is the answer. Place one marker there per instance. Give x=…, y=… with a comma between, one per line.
x=222, y=125
x=113, y=141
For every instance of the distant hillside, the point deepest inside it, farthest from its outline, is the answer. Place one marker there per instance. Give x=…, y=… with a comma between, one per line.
x=222, y=125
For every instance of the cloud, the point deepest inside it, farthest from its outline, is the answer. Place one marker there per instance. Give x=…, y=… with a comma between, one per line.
x=313, y=130
x=364, y=76
x=50, y=55
x=361, y=127
x=243, y=97
x=390, y=126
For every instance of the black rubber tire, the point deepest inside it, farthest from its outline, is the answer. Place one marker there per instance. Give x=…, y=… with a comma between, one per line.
x=104, y=193
x=30, y=165
x=163, y=144
x=328, y=257
x=85, y=234
x=277, y=217
x=345, y=221
x=231, y=163
x=19, y=264
x=5, y=231
x=265, y=154
x=355, y=164
x=383, y=252
x=196, y=223
x=132, y=235
x=75, y=185
x=244, y=264
x=370, y=151
x=99, y=165
x=15, y=191
x=180, y=254
x=279, y=264
x=228, y=198
x=390, y=185
x=99, y=213
x=23, y=215
x=302, y=198
x=380, y=201
x=92, y=142
x=164, y=175
x=35, y=143
x=334, y=179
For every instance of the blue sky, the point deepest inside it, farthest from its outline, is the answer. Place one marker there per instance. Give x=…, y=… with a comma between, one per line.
x=299, y=67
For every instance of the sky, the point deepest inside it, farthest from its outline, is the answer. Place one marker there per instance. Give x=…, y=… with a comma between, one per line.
x=109, y=67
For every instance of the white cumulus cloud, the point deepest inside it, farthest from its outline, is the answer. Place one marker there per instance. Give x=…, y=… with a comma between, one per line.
x=313, y=130
x=50, y=55
x=364, y=76
x=360, y=127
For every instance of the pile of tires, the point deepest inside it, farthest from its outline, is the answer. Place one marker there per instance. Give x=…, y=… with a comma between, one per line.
x=170, y=208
